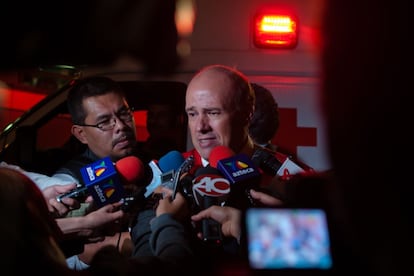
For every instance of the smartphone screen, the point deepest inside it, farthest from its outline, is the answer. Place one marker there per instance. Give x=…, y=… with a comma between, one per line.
x=287, y=239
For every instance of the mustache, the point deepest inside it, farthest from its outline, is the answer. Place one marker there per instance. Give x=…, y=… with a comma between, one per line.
x=126, y=136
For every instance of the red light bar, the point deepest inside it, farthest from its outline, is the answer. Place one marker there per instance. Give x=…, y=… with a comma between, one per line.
x=277, y=31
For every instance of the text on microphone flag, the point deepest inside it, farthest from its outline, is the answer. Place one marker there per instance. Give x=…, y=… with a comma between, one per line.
x=211, y=185
x=102, y=179
x=237, y=168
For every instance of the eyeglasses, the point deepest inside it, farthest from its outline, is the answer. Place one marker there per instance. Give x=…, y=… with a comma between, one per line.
x=125, y=116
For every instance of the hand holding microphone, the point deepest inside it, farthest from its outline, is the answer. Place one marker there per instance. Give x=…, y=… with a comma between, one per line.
x=104, y=180
x=177, y=207
x=171, y=171
x=60, y=209
x=228, y=217
x=163, y=171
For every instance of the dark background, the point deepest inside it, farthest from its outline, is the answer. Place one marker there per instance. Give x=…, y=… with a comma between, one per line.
x=88, y=32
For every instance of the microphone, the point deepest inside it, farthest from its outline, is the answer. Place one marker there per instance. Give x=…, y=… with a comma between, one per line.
x=130, y=169
x=103, y=179
x=210, y=188
x=163, y=171
x=279, y=165
x=181, y=177
x=241, y=172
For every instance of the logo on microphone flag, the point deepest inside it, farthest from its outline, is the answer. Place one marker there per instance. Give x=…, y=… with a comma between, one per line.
x=100, y=169
x=103, y=182
x=236, y=165
x=211, y=185
x=237, y=168
x=288, y=169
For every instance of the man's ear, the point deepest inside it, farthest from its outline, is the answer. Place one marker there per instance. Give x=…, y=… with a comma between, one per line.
x=78, y=132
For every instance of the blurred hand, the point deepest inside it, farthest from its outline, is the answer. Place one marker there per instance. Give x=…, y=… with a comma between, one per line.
x=228, y=217
x=265, y=199
x=60, y=209
x=108, y=219
x=104, y=221
x=178, y=207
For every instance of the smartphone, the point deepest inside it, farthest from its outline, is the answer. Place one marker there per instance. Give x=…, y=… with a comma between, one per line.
x=292, y=239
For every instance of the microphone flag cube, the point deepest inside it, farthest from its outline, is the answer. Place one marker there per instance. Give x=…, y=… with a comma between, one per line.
x=103, y=182
x=238, y=168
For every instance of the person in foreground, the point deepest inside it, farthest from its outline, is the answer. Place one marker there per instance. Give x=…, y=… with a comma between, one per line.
x=32, y=237
x=76, y=230
x=30, y=234
x=169, y=247
x=364, y=88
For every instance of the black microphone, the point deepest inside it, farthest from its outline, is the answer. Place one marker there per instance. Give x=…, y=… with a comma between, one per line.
x=181, y=177
x=242, y=174
x=267, y=161
x=276, y=164
x=210, y=188
x=103, y=180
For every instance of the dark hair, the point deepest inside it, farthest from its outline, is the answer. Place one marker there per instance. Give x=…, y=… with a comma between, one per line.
x=89, y=87
x=28, y=226
x=265, y=121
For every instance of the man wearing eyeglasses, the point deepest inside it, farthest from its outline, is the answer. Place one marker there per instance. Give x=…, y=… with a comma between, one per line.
x=104, y=122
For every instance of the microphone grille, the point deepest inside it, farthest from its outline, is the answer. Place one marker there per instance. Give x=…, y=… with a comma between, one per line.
x=130, y=168
x=218, y=153
x=170, y=161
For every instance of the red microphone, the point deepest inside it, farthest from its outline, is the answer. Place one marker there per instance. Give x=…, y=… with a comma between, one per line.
x=130, y=169
x=218, y=153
